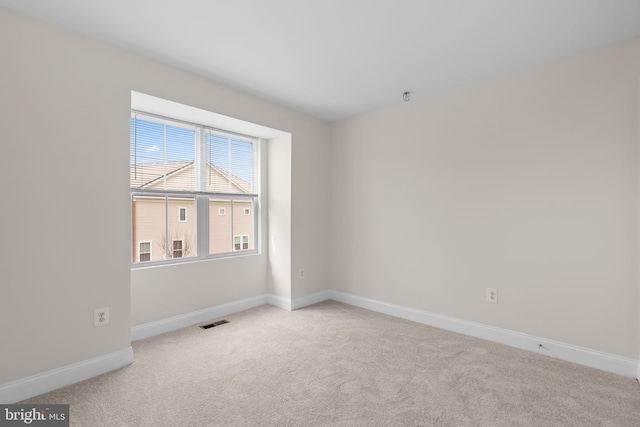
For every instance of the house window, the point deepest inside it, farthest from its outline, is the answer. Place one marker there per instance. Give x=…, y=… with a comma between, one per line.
x=177, y=248
x=180, y=167
x=144, y=253
x=240, y=243
x=247, y=211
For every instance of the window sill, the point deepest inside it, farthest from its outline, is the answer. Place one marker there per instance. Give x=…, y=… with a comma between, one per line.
x=165, y=263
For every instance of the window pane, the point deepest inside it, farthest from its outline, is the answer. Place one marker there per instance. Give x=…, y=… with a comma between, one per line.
x=233, y=231
x=219, y=164
x=242, y=164
x=180, y=156
x=148, y=225
x=220, y=234
x=180, y=232
x=146, y=152
x=161, y=156
x=243, y=224
x=229, y=165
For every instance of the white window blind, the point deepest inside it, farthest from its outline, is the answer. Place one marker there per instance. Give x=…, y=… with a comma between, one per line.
x=162, y=156
x=230, y=164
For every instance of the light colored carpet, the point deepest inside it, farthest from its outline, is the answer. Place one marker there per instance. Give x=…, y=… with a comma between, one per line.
x=335, y=365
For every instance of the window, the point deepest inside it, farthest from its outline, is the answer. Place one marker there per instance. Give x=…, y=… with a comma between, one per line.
x=240, y=243
x=176, y=167
x=177, y=249
x=144, y=254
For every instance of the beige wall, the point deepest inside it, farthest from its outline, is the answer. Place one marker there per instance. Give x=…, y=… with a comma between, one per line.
x=527, y=183
x=63, y=96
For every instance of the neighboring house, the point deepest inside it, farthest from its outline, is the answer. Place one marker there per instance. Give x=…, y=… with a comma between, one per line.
x=230, y=221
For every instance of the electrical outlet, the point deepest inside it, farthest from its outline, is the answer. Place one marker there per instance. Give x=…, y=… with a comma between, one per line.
x=492, y=295
x=101, y=316
x=301, y=273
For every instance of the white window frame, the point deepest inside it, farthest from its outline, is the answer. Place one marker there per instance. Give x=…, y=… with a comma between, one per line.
x=222, y=211
x=180, y=209
x=247, y=211
x=150, y=251
x=202, y=214
x=242, y=243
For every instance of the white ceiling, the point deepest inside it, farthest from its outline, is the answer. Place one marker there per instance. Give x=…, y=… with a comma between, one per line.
x=337, y=58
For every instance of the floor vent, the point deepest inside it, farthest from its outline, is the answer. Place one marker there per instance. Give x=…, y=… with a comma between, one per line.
x=214, y=324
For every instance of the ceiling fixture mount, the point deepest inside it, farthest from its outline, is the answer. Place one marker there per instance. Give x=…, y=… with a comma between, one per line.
x=406, y=96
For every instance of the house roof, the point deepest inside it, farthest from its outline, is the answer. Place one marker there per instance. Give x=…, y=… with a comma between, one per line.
x=181, y=176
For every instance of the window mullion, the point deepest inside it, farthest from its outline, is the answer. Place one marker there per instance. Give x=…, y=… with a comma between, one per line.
x=230, y=168
x=255, y=225
x=202, y=212
x=135, y=147
x=232, y=230
x=164, y=156
x=166, y=227
x=201, y=160
x=202, y=226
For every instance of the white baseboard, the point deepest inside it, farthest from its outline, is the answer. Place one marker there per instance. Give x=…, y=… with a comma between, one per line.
x=310, y=299
x=288, y=304
x=281, y=302
x=584, y=356
x=47, y=381
x=41, y=383
x=188, y=319
x=182, y=321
